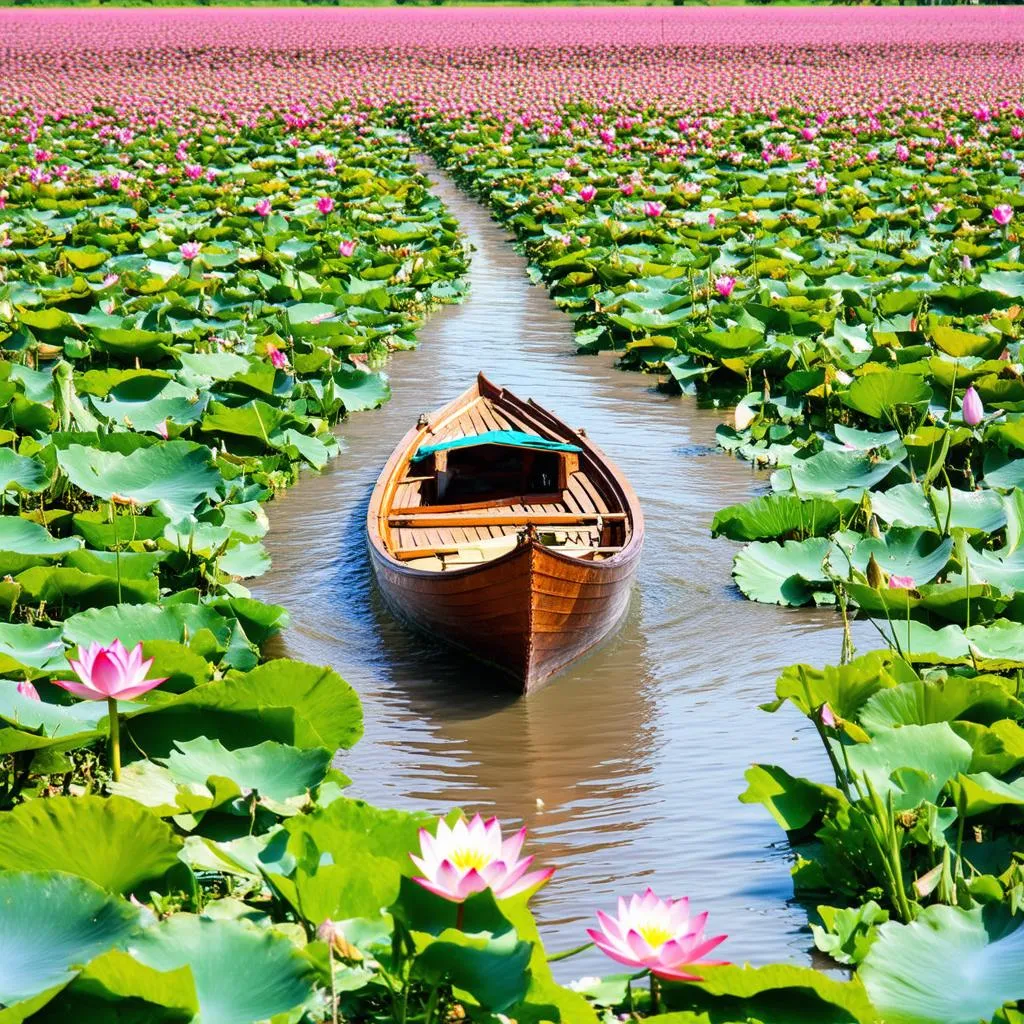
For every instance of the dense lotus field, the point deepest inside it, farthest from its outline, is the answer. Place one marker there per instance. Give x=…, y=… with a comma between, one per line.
x=212, y=235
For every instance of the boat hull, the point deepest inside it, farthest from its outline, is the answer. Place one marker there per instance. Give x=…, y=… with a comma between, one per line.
x=534, y=609
x=529, y=614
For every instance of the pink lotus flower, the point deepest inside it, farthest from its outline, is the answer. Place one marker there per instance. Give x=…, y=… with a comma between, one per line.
x=820, y=186
x=1003, y=214
x=465, y=859
x=654, y=209
x=973, y=409
x=110, y=673
x=189, y=250
x=161, y=429
x=277, y=358
x=587, y=193
x=110, y=280
x=626, y=188
x=901, y=582
x=712, y=220
x=724, y=285
x=325, y=204
x=657, y=934
x=346, y=247
x=26, y=689
x=828, y=717
x=262, y=208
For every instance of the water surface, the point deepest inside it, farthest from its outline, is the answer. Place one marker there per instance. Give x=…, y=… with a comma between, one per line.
x=627, y=767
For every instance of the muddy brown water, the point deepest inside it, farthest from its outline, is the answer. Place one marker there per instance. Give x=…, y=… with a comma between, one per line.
x=627, y=767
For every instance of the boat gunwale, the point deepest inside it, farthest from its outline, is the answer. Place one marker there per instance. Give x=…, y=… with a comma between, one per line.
x=611, y=480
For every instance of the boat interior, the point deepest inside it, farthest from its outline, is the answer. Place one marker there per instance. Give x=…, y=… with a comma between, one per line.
x=478, y=488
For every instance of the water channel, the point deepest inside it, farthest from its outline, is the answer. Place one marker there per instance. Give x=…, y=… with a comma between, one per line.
x=627, y=767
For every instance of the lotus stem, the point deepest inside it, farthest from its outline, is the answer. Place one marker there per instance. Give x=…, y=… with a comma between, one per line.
x=565, y=954
x=117, y=550
x=334, y=987
x=115, y=739
x=460, y=915
x=432, y=1001
x=841, y=780
x=655, y=995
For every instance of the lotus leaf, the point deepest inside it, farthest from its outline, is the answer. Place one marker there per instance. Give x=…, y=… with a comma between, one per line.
x=277, y=773
x=950, y=966
x=779, y=515
x=130, y=849
x=834, y=472
x=793, y=573
x=934, y=752
x=54, y=923
x=241, y=973
x=114, y=984
x=21, y=473
x=176, y=476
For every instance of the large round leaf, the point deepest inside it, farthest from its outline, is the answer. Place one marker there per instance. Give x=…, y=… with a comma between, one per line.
x=832, y=472
x=116, y=843
x=21, y=472
x=880, y=394
x=919, y=554
x=324, y=700
x=241, y=973
x=950, y=966
x=24, y=544
x=780, y=515
x=276, y=772
x=791, y=573
x=177, y=475
x=51, y=923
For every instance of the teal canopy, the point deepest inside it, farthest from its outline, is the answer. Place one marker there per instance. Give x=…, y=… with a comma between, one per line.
x=509, y=438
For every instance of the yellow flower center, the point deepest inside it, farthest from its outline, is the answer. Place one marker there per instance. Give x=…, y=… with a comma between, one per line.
x=467, y=858
x=655, y=935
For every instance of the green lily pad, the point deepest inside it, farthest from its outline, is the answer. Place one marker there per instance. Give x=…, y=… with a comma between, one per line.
x=114, y=842
x=21, y=473
x=177, y=476
x=949, y=966
x=792, y=573
x=241, y=973
x=53, y=924
x=276, y=772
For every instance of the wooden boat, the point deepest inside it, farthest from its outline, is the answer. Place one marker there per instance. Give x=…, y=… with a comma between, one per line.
x=496, y=527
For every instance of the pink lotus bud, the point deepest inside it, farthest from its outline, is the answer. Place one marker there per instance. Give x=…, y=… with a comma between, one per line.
x=902, y=153
x=654, y=209
x=828, y=719
x=189, y=250
x=724, y=285
x=161, y=429
x=325, y=204
x=587, y=193
x=973, y=410
x=810, y=134
x=277, y=358
x=26, y=689
x=262, y=208
x=110, y=280
x=346, y=247
x=965, y=262
x=1003, y=214
x=712, y=220
x=901, y=583
x=626, y=188
x=820, y=186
